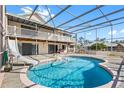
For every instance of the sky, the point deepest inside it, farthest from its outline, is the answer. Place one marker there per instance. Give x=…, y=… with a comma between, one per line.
x=76, y=10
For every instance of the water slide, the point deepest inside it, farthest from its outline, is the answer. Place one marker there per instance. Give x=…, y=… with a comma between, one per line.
x=13, y=47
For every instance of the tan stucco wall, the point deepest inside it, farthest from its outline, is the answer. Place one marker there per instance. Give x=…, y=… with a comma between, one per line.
x=18, y=25
x=43, y=47
x=44, y=30
x=60, y=46
x=24, y=41
x=49, y=31
x=12, y=23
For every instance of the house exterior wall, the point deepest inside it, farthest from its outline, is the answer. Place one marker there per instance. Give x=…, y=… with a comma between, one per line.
x=60, y=46
x=43, y=42
x=0, y=36
x=109, y=48
x=18, y=25
x=45, y=30
x=120, y=48
x=24, y=41
x=43, y=47
x=12, y=23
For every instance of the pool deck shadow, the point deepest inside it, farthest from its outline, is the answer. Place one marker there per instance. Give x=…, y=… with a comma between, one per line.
x=30, y=86
x=18, y=72
x=115, y=81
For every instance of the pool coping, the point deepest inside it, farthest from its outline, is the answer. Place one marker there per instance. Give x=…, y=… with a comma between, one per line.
x=1, y=78
x=27, y=82
x=2, y=74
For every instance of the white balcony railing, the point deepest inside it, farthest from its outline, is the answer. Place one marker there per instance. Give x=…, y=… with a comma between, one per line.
x=27, y=33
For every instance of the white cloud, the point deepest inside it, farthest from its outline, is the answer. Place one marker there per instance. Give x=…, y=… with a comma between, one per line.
x=41, y=11
x=44, y=13
x=114, y=32
x=122, y=31
x=27, y=9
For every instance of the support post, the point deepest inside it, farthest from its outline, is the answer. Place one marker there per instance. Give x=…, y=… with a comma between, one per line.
x=111, y=37
x=76, y=42
x=36, y=47
x=1, y=30
x=85, y=41
x=2, y=25
x=36, y=39
x=96, y=39
x=4, y=22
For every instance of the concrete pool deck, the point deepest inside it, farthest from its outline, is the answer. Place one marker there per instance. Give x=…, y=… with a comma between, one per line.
x=17, y=77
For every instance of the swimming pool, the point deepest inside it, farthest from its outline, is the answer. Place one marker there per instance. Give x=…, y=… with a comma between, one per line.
x=71, y=72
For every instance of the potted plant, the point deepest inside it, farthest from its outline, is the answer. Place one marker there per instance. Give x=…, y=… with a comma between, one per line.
x=8, y=65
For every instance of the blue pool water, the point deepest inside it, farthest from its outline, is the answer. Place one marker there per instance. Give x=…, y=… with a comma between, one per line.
x=71, y=72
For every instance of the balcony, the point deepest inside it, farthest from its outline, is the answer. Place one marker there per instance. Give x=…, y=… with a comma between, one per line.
x=33, y=34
